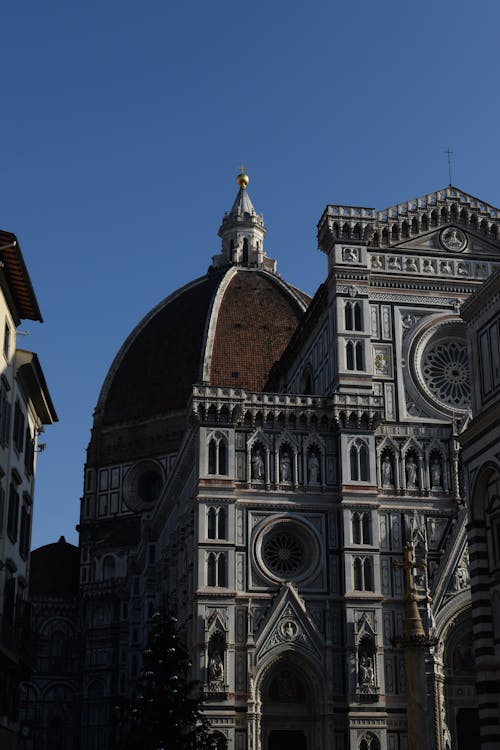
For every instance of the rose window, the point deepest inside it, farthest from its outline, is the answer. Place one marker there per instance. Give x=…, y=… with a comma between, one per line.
x=283, y=553
x=287, y=549
x=446, y=372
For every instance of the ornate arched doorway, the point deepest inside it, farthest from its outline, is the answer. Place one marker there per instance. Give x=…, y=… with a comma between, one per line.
x=460, y=691
x=289, y=704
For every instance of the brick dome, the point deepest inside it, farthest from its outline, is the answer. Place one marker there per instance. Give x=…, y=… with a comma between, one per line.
x=54, y=571
x=226, y=328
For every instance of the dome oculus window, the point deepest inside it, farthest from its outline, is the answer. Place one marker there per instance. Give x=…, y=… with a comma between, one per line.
x=143, y=484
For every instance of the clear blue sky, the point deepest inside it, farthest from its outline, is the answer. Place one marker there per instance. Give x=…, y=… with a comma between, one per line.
x=123, y=124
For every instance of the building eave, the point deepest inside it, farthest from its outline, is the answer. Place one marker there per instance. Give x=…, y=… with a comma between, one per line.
x=30, y=375
x=17, y=278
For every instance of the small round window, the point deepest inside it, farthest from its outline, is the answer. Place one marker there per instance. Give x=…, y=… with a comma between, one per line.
x=149, y=485
x=287, y=549
x=143, y=484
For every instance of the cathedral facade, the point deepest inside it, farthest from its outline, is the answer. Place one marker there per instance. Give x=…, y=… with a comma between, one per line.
x=263, y=460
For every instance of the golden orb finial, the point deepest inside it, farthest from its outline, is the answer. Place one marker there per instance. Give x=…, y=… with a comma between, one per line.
x=243, y=179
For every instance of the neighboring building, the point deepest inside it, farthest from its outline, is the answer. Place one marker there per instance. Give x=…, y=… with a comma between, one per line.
x=263, y=460
x=25, y=406
x=481, y=456
x=50, y=699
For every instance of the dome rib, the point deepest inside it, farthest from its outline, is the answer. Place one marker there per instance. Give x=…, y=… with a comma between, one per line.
x=145, y=379
x=226, y=328
x=257, y=315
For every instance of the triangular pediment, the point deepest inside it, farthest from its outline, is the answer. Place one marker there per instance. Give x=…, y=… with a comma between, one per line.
x=288, y=626
x=449, y=220
x=435, y=242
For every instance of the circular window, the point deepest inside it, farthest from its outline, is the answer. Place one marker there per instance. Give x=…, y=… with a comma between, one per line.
x=143, y=484
x=287, y=550
x=440, y=365
x=446, y=372
x=283, y=553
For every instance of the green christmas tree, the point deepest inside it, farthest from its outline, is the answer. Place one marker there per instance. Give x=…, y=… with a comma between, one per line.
x=166, y=714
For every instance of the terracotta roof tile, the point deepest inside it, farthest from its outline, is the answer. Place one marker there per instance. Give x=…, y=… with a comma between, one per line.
x=162, y=359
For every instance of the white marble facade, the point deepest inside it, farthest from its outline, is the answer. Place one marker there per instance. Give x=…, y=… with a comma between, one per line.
x=282, y=513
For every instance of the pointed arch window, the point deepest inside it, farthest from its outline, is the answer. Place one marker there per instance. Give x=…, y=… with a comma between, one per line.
x=108, y=567
x=216, y=569
x=212, y=570
x=216, y=523
x=212, y=523
x=217, y=454
x=359, y=356
x=356, y=528
x=367, y=574
x=353, y=316
x=221, y=524
x=359, y=461
x=366, y=528
x=212, y=457
x=221, y=571
x=354, y=355
x=349, y=355
x=361, y=528
x=245, y=252
x=222, y=457
x=358, y=574
x=348, y=316
x=363, y=574
x=369, y=742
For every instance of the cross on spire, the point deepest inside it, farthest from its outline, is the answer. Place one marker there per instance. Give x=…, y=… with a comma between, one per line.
x=449, y=152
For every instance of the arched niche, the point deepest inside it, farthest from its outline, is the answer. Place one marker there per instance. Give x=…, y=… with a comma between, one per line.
x=290, y=693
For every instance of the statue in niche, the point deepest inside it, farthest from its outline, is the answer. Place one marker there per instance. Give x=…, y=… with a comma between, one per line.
x=350, y=254
x=435, y=473
x=285, y=467
x=428, y=266
x=446, y=267
x=387, y=475
x=313, y=468
x=289, y=630
x=257, y=465
x=462, y=573
x=411, y=264
x=461, y=578
x=411, y=473
x=366, y=670
x=216, y=668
